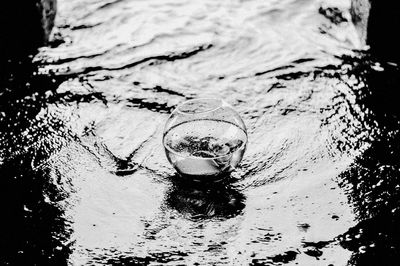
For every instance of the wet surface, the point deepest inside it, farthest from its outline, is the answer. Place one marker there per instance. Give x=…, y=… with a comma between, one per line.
x=84, y=177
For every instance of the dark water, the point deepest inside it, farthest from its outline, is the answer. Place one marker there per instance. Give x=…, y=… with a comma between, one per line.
x=83, y=173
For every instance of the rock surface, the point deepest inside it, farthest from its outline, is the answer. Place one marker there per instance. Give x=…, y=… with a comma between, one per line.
x=377, y=23
x=25, y=26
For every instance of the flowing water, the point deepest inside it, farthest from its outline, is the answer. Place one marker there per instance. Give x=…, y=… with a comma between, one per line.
x=83, y=170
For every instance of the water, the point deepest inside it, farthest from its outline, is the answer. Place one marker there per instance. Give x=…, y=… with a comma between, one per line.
x=84, y=176
x=205, y=147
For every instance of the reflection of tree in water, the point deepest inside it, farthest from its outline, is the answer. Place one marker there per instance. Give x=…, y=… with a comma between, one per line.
x=373, y=181
x=202, y=201
x=35, y=230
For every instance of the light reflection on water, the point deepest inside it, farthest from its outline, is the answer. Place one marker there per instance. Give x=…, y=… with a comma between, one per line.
x=124, y=65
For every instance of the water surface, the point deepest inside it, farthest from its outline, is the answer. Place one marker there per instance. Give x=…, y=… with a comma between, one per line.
x=81, y=154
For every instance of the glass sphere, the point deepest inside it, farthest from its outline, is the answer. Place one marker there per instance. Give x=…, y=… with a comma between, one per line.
x=204, y=139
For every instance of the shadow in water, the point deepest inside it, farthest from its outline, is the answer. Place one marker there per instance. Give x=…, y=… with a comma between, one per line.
x=35, y=231
x=198, y=200
x=372, y=182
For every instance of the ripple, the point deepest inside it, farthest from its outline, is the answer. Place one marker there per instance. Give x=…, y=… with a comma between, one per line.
x=81, y=131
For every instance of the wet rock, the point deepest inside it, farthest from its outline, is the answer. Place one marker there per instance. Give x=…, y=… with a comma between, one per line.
x=25, y=26
x=359, y=14
x=377, y=23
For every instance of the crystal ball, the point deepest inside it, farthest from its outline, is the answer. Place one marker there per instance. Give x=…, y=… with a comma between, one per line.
x=204, y=139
